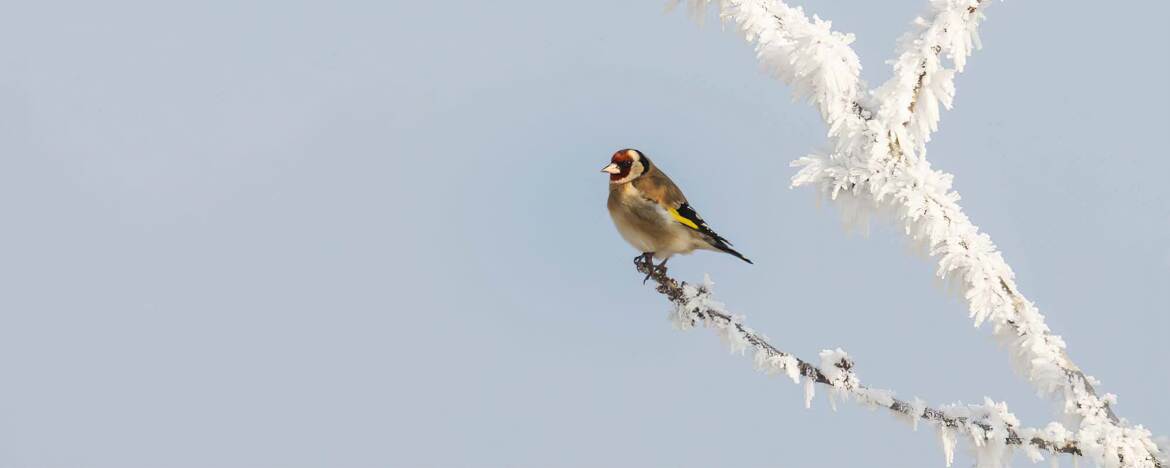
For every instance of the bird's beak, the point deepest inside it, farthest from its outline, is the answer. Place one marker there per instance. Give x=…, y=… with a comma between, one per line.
x=611, y=168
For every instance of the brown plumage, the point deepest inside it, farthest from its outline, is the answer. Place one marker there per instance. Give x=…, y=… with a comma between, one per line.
x=651, y=212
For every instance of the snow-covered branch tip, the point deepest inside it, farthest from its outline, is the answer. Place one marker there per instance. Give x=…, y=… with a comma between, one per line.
x=990, y=428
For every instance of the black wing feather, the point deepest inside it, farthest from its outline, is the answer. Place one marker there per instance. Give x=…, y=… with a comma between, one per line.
x=715, y=239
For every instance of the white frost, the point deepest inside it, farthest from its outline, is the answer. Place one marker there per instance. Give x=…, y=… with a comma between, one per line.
x=810, y=390
x=875, y=162
x=947, y=438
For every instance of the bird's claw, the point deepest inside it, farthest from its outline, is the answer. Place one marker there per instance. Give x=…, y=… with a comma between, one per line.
x=640, y=260
x=647, y=260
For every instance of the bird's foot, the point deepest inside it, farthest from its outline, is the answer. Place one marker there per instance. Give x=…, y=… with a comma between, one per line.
x=661, y=267
x=646, y=261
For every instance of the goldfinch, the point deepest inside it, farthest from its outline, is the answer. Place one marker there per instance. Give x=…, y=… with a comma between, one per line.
x=653, y=215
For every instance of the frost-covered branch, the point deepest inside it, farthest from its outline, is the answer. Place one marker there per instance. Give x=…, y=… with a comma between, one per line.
x=989, y=427
x=909, y=101
x=806, y=54
x=875, y=161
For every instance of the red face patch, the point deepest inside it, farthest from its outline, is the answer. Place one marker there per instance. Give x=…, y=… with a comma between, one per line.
x=624, y=161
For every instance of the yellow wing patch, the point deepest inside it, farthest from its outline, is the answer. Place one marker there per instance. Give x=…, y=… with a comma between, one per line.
x=677, y=217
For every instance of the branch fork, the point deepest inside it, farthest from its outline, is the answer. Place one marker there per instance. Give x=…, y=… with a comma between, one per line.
x=876, y=156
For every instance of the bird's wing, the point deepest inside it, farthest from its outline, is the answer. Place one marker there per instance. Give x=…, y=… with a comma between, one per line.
x=688, y=217
x=657, y=187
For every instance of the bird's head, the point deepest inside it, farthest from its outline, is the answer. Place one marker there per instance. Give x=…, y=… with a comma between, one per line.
x=626, y=165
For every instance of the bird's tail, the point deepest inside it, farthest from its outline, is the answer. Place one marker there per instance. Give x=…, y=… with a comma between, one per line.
x=737, y=254
x=724, y=246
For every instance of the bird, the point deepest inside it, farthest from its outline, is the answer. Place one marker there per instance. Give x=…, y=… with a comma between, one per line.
x=652, y=214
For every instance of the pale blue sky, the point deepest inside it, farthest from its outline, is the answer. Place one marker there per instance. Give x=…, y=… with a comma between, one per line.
x=359, y=234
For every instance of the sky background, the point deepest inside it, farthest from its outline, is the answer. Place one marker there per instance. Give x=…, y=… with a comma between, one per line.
x=373, y=234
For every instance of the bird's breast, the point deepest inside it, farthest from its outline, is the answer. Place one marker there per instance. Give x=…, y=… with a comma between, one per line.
x=644, y=223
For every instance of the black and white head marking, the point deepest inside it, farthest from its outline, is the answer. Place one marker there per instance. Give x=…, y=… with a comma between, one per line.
x=627, y=165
